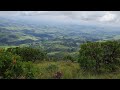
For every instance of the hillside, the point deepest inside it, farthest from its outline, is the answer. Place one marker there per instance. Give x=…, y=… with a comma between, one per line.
x=56, y=45
x=56, y=38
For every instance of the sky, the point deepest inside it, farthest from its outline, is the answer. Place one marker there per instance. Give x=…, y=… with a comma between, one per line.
x=103, y=17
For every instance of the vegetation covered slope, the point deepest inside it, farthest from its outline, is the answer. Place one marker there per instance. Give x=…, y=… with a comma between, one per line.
x=96, y=60
x=55, y=38
x=59, y=51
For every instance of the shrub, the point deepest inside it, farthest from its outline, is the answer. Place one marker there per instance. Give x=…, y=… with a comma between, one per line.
x=29, y=53
x=10, y=65
x=100, y=56
x=13, y=67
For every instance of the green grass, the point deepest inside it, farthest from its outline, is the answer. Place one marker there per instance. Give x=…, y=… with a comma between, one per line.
x=69, y=70
x=53, y=53
x=27, y=37
x=5, y=47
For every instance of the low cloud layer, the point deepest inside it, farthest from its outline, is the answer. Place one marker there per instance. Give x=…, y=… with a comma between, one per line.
x=89, y=16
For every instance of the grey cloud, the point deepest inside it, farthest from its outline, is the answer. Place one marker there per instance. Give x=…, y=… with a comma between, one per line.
x=74, y=15
x=8, y=13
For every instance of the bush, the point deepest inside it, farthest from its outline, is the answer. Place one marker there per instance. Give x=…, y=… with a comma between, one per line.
x=100, y=56
x=10, y=65
x=13, y=67
x=29, y=53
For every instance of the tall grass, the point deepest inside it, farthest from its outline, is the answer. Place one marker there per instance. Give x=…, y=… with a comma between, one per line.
x=69, y=70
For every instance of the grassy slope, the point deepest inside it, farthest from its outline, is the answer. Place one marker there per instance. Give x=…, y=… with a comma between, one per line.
x=69, y=70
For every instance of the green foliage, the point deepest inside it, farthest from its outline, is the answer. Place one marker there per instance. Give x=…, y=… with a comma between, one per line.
x=29, y=70
x=13, y=67
x=29, y=53
x=10, y=65
x=100, y=56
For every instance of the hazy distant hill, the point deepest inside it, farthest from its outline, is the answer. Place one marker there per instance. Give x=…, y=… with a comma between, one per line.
x=20, y=31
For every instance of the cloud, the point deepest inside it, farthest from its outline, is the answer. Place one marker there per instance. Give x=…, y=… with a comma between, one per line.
x=108, y=17
x=8, y=13
x=88, y=16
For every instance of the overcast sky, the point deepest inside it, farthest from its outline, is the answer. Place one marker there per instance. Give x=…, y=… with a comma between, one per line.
x=108, y=17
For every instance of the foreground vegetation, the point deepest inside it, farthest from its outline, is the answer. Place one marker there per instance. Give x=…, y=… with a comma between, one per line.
x=96, y=60
x=69, y=70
